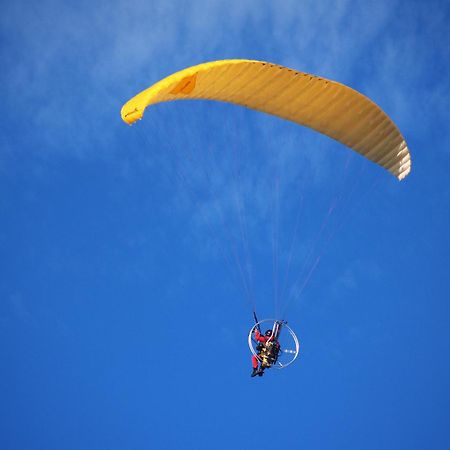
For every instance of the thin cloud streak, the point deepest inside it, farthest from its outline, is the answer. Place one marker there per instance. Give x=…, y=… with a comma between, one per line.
x=114, y=50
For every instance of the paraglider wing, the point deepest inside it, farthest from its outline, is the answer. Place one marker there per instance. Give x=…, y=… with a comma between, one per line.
x=326, y=106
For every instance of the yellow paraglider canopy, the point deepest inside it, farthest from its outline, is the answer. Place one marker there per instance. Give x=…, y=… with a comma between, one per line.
x=326, y=106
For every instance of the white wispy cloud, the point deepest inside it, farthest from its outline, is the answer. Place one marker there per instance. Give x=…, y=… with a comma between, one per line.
x=67, y=70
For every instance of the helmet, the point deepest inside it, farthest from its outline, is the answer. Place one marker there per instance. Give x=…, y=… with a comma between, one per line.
x=268, y=333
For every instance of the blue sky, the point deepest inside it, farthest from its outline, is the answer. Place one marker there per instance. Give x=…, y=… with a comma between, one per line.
x=123, y=326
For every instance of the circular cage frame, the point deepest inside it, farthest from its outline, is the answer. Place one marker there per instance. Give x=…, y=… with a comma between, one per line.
x=278, y=364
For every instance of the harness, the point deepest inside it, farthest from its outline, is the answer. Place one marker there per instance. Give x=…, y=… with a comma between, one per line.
x=268, y=352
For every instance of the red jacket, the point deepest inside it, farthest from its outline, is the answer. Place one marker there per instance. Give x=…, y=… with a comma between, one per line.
x=260, y=337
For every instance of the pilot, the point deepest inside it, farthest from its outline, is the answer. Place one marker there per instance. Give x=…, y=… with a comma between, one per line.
x=268, y=354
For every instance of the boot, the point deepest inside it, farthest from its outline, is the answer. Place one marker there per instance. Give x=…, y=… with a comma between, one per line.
x=255, y=372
